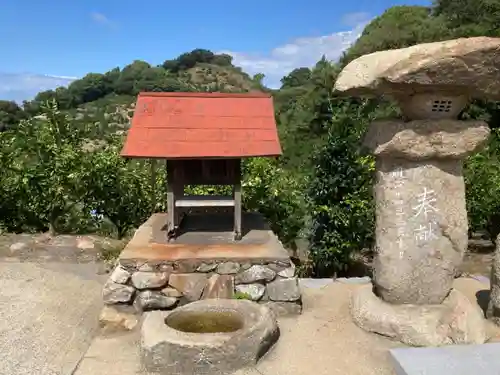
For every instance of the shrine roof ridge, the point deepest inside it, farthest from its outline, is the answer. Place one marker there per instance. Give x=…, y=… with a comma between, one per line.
x=174, y=125
x=205, y=94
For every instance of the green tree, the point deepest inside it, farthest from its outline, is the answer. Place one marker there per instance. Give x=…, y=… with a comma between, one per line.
x=48, y=159
x=130, y=76
x=398, y=27
x=278, y=195
x=340, y=192
x=470, y=17
x=297, y=77
x=222, y=60
x=10, y=114
x=118, y=189
x=89, y=88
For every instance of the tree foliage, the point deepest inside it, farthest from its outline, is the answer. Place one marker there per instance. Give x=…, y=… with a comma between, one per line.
x=139, y=76
x=10, y=114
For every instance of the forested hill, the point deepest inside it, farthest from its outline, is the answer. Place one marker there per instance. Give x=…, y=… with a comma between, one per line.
x=198, y=70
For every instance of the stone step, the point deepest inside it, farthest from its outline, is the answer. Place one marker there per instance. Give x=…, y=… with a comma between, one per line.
x=449, y=360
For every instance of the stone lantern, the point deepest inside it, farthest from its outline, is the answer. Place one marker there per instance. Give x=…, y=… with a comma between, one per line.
x=421, y=217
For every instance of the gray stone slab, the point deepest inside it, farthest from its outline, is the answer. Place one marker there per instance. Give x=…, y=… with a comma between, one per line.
x=48, y=316
x=354, y=280
x=320, y=283
x=206, y=229
x=449, y=360
x=314, y=283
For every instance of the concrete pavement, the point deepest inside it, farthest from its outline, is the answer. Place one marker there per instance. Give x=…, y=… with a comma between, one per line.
x=323, y=340
x=48, y=316
x=48, y=326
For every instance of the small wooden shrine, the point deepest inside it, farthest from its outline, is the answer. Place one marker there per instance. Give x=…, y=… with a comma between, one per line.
x=202, y=137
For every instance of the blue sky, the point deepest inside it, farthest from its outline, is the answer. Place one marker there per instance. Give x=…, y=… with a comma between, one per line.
x=45, y=41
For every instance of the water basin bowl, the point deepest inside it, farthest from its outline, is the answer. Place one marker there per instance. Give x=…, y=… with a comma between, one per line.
x=210, y=336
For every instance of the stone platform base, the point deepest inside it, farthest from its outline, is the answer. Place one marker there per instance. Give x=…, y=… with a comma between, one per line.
x=455, y=359
x=455, y=321
x=152, y=274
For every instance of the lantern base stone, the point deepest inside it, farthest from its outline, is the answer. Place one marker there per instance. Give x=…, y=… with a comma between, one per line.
x=455, y=321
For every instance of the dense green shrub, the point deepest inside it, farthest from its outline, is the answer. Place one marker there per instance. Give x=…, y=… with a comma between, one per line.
x=340, y=193
x=277, y=194
x=482, y=178
x=53, y=180
x=119, y=189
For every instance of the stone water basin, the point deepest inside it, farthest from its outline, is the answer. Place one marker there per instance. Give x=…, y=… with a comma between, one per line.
x=211, y=336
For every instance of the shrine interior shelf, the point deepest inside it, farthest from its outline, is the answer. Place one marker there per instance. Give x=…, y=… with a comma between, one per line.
x=205, y=201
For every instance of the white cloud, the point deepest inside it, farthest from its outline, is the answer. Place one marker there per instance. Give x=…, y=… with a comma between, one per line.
x=301, y=52
x=24, y=86
x=102, y=19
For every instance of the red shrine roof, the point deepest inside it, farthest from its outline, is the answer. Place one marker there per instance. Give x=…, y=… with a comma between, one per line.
x=202, y=125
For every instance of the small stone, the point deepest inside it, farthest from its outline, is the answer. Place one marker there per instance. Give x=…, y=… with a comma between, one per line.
x=120, y=275
x=279, y=266
x=18, y=246
x=228, y=268
x=245, y=266
x=117, y=318
x=219, y=286
x=116, y=293
x=166, y=268
x=206, y=267
x=149, y=280
x=288, y=272
x=284, y=308
x=104, y=268
x=191, y=285
x=129, y=265
x=265, y=297
x=254, y=291
x=145, y=268
x=284, y=290
x=171, y=292
x=84, y=243
x=254, y=274
x=185, y=266
x=151, y=300
x=43, y=238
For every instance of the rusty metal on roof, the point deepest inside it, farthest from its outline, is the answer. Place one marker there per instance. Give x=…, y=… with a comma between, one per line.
x=202, y=125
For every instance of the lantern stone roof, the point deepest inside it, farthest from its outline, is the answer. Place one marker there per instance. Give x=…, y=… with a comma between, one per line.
x=202, y=125
x=468, y=66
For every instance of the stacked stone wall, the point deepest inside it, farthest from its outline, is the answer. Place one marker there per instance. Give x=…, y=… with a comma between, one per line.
x=167, y=285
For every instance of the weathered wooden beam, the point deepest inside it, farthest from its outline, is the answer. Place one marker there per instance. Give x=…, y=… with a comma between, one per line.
x=153, y=183
x=205, y=201
x=178, y=194
x=237, y=211
x=237, y=201
x=170, y=197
